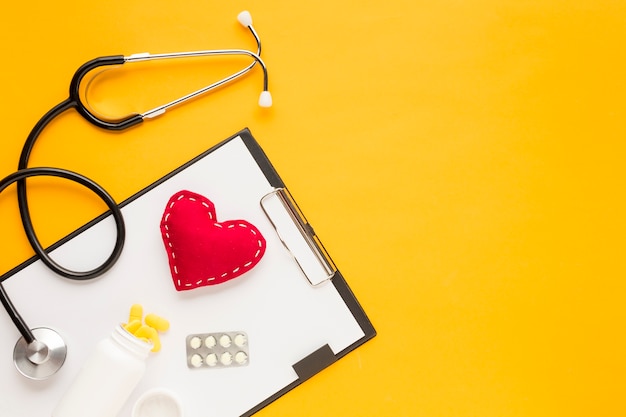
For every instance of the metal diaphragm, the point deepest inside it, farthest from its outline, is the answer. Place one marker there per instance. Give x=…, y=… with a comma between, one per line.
x=42, y=358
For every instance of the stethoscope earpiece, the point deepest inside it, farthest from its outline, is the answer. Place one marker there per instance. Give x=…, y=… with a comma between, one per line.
x=265, y=99
x=245, y=18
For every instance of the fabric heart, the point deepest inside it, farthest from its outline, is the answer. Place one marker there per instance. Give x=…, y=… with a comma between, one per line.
x=203, y=251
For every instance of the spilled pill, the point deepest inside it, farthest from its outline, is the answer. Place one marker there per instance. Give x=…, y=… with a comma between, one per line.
x=132, y=326
x=136, y=313
x=151, y=334
x=148, y=332
x=157, y=322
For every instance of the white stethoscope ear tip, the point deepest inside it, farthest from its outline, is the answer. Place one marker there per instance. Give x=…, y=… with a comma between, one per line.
x=265, y=100
x=245, y=18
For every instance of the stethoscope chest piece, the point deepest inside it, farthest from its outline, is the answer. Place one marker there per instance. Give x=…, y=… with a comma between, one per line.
x=42, y=358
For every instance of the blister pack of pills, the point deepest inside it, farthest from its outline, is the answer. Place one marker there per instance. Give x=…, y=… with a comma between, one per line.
x=217, y=350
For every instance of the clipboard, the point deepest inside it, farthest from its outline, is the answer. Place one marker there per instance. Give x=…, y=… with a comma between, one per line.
x=297, y=309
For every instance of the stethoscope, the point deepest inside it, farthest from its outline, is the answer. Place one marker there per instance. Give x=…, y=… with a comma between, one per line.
x=41, y=352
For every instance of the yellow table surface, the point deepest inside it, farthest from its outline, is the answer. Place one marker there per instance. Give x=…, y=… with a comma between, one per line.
x=462, y=161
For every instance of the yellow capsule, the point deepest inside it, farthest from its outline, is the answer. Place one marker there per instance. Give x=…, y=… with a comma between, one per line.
x=132, y=326
x=157, y=322
x=136, y=313
x=156, y=343
x=151, y=334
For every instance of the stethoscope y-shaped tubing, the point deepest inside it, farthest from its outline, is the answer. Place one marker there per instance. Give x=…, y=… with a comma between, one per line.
x=256, y=59
x=133, y=119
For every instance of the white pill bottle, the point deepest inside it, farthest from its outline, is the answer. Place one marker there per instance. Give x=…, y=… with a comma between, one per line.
x=107, y=378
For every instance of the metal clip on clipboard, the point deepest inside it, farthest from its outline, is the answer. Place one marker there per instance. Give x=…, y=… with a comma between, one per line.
x=298, y=236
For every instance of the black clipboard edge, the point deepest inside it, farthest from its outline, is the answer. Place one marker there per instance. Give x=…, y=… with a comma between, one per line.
x=260, y=157
x=323, y=357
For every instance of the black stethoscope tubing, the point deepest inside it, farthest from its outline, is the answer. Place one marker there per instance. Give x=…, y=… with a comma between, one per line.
x=19, y=177
x=74, y=102
x=23, y=172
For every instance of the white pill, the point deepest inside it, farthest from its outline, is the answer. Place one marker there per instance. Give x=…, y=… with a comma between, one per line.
x=241, y=357
x=210, y=342
x=195, y=342
x=225, y=341
x=241, y=340
x=196, y=361
x=226, y=358
x=211, y=359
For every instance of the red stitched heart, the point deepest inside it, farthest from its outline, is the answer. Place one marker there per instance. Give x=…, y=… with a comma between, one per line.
x=203, y=251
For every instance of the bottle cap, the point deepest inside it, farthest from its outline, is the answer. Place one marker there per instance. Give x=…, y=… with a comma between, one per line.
x=158, y=402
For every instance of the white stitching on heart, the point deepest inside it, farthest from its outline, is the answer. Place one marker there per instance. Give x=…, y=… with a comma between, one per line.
x=206, y=205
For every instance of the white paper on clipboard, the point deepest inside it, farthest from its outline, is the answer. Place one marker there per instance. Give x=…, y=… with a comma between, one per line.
x=286, y=319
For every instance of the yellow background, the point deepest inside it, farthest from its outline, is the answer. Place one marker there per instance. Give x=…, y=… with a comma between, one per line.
x=462, y=161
